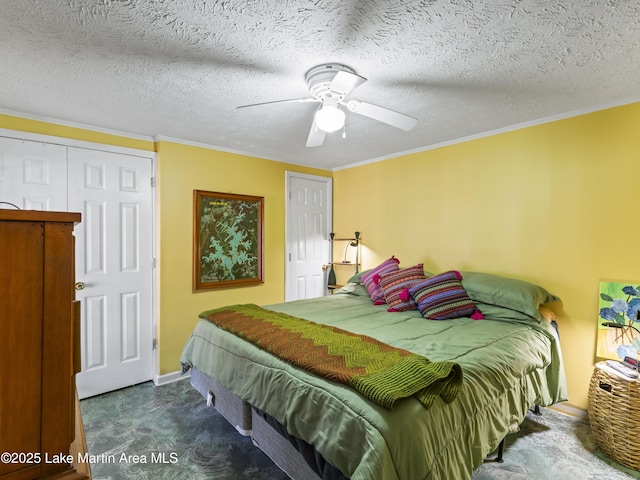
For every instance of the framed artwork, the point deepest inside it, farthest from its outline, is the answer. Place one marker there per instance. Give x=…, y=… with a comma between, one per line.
x=618, y=320
x=227, y=240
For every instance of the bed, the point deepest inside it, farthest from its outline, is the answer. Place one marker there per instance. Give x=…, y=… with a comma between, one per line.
x=509, y=360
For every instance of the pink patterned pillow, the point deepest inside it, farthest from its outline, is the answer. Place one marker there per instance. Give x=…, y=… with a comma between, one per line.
x=394, y=283
x=370, y=279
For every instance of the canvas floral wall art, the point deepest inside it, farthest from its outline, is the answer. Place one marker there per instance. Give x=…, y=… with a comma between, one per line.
x=618, y=320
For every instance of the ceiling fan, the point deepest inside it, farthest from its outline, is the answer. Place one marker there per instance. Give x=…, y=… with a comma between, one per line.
x=328, y=85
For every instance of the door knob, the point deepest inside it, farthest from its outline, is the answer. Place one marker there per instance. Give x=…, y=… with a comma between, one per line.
x=79, y=285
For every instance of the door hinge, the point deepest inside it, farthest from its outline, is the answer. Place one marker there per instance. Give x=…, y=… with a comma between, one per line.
x=289, y=195
x=289, y=257
x=153, y=263
x=153, y=182
x=154, y=344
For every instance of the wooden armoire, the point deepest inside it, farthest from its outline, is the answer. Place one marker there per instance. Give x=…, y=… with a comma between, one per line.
x=39, y=345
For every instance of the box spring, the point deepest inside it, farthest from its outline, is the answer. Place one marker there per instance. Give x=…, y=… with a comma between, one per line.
x=295, y=457
x=235, y=410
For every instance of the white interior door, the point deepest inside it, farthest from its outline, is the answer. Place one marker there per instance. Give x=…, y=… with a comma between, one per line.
x=33, y=175
x=308, y=226
x=114, y=271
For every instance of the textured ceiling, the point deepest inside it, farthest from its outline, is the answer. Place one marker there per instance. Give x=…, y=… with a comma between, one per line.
x=179, y=69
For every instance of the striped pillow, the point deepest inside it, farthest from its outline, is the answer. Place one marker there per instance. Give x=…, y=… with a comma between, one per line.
x=442, y=297
x=370, y=279
x=395, y=282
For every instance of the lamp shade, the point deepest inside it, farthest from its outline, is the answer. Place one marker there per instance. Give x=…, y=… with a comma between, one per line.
x=330, y=118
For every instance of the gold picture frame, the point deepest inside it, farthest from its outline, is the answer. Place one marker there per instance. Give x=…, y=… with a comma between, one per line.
x=227, y=240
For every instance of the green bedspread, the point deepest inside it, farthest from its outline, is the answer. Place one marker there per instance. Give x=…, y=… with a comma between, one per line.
x=507, y=367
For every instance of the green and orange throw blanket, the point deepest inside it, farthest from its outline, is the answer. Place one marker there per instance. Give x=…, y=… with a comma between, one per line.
x=382, y=373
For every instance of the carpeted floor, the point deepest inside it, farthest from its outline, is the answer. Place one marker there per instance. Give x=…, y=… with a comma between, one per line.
x=147, y=432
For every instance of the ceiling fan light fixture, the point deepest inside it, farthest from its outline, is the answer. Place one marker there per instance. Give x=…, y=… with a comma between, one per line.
x=330, y=118
x=329, y=84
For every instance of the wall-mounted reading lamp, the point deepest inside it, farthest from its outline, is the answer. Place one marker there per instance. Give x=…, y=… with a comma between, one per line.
x=353, y=243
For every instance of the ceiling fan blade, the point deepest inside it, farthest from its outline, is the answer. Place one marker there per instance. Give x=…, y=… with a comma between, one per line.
x=292, y=100
x=395, y=119
x=344, y=82
x=316, y=136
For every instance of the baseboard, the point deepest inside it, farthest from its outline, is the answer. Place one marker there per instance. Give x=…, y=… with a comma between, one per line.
x=571, y=410
x=167, y=378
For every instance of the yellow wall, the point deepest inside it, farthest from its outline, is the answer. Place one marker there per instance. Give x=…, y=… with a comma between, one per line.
x=182, y=169
x=555, y=204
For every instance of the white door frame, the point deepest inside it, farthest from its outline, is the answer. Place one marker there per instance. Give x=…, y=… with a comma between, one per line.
x=69, y=142
x=287, y=237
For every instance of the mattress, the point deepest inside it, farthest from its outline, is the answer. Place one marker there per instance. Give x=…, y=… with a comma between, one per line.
x=507, y=367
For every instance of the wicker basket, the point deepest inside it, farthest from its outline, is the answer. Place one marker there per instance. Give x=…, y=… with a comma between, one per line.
x=614, y=415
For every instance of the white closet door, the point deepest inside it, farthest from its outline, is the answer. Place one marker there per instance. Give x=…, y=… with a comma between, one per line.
x=113, y=193
x=33, y=175
x=114, y=251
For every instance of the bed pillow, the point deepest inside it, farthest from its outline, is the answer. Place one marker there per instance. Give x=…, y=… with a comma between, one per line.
x=442, y=297
x=506, y=292
x=371, y=277
x=356, y=289
x=495, y=312
x=357, y=278
x=394, y=283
